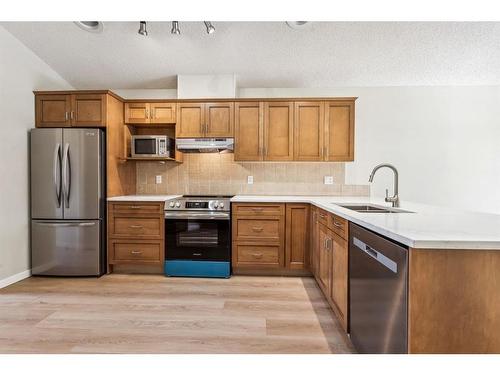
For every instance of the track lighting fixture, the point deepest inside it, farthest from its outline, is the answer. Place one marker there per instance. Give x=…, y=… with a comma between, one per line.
x=142, y=28
x=175, y=28
x=210, y=27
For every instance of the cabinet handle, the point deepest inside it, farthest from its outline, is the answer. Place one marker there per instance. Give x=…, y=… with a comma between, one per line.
x=66, y=116
x=136, y=252
x=136, y=226
x=338, y=225
x=135, y=207
x=72, y=114
x=257, y=255
x=323, y=216
x=257, y=209
x=147, y=114
x=153, y=112
x=257, y=229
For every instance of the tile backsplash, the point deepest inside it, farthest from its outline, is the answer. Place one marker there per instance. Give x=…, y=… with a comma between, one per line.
x=220, y=174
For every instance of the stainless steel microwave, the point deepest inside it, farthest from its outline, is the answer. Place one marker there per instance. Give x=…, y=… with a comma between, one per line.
x=152, y=146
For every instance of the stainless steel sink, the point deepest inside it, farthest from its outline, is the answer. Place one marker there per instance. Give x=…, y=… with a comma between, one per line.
x=371, y=208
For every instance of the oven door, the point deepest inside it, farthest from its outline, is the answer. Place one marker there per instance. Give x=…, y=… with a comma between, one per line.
x=198, y=237
x=144, y=146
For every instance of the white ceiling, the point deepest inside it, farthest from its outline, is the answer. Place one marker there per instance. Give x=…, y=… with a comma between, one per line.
x=269, y=54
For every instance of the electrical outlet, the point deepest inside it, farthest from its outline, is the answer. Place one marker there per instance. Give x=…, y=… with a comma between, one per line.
x=158, y=179
x=250, y=180
x=328, y=180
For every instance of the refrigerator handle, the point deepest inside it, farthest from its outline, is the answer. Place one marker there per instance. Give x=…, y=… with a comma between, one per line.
x=66, y=171
x=57, y=173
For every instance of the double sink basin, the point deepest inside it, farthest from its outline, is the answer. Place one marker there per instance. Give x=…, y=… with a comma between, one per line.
x=371, y=208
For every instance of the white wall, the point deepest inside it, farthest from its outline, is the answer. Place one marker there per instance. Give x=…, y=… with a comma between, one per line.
x=445, y=141
x=21, y=72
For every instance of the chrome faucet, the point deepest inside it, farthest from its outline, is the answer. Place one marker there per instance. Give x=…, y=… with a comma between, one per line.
x=395, y=198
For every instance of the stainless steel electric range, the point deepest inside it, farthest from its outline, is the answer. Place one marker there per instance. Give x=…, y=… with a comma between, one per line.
x=198, y=236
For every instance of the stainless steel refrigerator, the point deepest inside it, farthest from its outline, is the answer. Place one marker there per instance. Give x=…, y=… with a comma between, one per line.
x=67, y=202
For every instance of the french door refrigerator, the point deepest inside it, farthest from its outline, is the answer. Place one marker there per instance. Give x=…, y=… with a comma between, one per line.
x=67, y=202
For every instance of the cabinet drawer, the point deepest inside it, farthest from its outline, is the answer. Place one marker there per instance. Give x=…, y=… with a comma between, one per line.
x=138, y=208
x=322, y=217
x=133, y=227
x=339, y=225
x=258, y=229
x=258, y=209
x=136, y=252
x=258, y=255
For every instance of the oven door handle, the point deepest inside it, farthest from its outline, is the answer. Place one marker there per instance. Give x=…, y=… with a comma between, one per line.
x=197, y=216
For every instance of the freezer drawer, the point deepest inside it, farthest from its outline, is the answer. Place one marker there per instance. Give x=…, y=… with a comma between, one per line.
x=66, y=248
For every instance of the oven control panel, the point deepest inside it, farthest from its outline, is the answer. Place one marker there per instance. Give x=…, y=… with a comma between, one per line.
x=198, y=204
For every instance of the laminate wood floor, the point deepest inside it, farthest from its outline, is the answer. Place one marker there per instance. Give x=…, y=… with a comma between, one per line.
x=154, y=314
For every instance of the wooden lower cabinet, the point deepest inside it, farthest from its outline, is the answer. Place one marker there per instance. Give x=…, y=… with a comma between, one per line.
x=329, y=260
x=297, y=236
x=339, y=278
x=324, y=274
x=270, y=237
x=136, y=234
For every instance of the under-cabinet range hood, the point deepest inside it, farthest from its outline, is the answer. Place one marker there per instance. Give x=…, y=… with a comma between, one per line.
x=205, y=144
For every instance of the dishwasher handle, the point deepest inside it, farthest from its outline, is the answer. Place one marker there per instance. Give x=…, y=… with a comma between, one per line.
x=377, y=255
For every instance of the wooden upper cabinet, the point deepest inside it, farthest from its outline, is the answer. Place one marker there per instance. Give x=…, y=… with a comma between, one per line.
x=219, y=119
x=150, y=113
x=309, y=131
x=248, y=131
x=162, y=113
x=297, y=236
x=137, y=113
x=88, y=110
x=339, y=132
x=278, y=131
x=190, y=120
x=63, y=110
x=52, y=110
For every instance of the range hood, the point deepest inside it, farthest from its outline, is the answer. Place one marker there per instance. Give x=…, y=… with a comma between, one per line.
x=205, y=144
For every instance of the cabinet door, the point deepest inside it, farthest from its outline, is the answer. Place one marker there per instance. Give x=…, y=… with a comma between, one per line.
x=339, y=120
x=162, y=113
x=219, y=119
x=278, y=131
x=88, y=110
x=309, y=124
x=190, y=120
x=52, y=111
x=324, y=266
x=339, y=277
x=137, y=113
x=314, y=258
x=297, y=236
x=248, y=131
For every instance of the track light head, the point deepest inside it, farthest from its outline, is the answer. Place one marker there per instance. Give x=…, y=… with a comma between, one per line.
x=175, y=28
x=210, y=27
x=142, y=28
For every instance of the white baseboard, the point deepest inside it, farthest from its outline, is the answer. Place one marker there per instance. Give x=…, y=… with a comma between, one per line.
x=14, y=278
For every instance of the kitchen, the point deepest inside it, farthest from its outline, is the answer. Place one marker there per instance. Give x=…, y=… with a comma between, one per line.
x=303, y=219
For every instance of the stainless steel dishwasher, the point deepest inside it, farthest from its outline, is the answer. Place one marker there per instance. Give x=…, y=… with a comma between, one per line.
x=378, y=293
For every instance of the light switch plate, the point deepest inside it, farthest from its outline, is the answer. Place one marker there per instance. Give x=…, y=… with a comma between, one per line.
x=250, y=180
x=158, y=179
x=328, y=180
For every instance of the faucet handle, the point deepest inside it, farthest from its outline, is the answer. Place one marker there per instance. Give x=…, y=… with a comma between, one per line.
x=386, y=194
